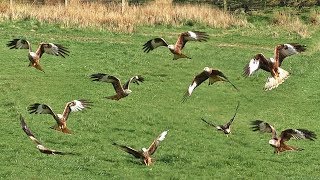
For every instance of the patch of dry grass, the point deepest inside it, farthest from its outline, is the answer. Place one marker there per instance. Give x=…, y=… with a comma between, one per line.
x=109, y=16
x=291, y=23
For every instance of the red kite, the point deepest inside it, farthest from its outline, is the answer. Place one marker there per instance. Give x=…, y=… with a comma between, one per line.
x=226, y=129
x=144, y=154
x=41, y=148
x=122, y=91
x=176, y=49
x=34, y=57
x=279, y=142
x=272, y=65
x=61, y=119
x=213, y=75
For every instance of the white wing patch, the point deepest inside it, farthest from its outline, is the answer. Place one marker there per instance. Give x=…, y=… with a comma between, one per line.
x=78, y=106
x=253, y=66
x=163, y=135
x=193, y=36
x=191, y=88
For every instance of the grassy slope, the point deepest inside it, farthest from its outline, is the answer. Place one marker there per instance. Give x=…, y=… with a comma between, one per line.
x=191, y=149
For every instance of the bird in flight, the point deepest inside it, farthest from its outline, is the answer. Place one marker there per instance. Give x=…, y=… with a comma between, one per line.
x=226, y=128
x=61, y=119
x=213, y=75
x=176, y=49
x=34, y=57
x=144, y=154
x=279, y=142
x=272, y=65
x=121, y=90
x=39, y=146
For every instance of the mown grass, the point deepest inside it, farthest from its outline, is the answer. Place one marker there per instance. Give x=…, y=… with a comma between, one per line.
x=191, y=149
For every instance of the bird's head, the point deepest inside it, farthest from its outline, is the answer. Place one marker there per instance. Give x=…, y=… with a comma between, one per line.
x=39, y=146
x=127, y=91
x=171, y=47
x=60, y=116
x=273, y=142
x=144, y=149
x=207, y=69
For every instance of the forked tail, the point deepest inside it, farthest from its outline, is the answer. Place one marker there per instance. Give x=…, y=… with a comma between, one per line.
x=273, y=82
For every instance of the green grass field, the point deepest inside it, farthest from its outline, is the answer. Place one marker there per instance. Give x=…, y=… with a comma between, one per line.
x=192, y=149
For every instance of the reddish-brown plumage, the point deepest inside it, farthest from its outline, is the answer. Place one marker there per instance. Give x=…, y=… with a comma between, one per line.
x=278, y=142
x=272, y=65
x=34, y=57
x=179, y=45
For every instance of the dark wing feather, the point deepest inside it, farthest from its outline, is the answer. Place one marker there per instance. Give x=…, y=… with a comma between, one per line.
x=197, y=80
x=154, y=43
x=209, y=123
x=38, y=108
x=290, y=49
x=231, y=120
x=18, y=44
x=53, y=49
x=297, y=134
x=221, y=77
x=155, y=144
x=130, y=150
x=190, y=36
x=262, y=126
x=134, y=79
x=26, y=129
x=109, y=79
x=258, y=62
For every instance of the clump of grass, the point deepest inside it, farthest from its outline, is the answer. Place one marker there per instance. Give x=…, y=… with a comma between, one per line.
x=314, y=17
x=110, y=16
x=291, y=23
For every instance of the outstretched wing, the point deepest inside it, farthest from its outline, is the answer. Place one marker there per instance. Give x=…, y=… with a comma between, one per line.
x=109, y=79
x=217, y=75
x=134, y=79
x=74, y=106
x=38, y=108
x=297, y=134
x=154, y=43
x=197, y=80
x=209, y=123
x=262, y=126
x=231, y=120
x=259, y=61
x=190, y=36
x=154, y=145
x=290, y=49
x=26, y=129
x=129, y=150
x=18, y=44
x=53, y=49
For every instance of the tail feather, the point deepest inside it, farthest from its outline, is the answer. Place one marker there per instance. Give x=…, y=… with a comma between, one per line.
x=273, y=82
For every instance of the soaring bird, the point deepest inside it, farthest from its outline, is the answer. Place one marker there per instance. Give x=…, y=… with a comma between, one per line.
x=34, y=57
x=41, y=148
x=272, y=65
x=213, y=75
x=226, y=129
x=61, y=119
x=121, y=91
x=177, y=48
x=279, y=142
x=144, y=154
